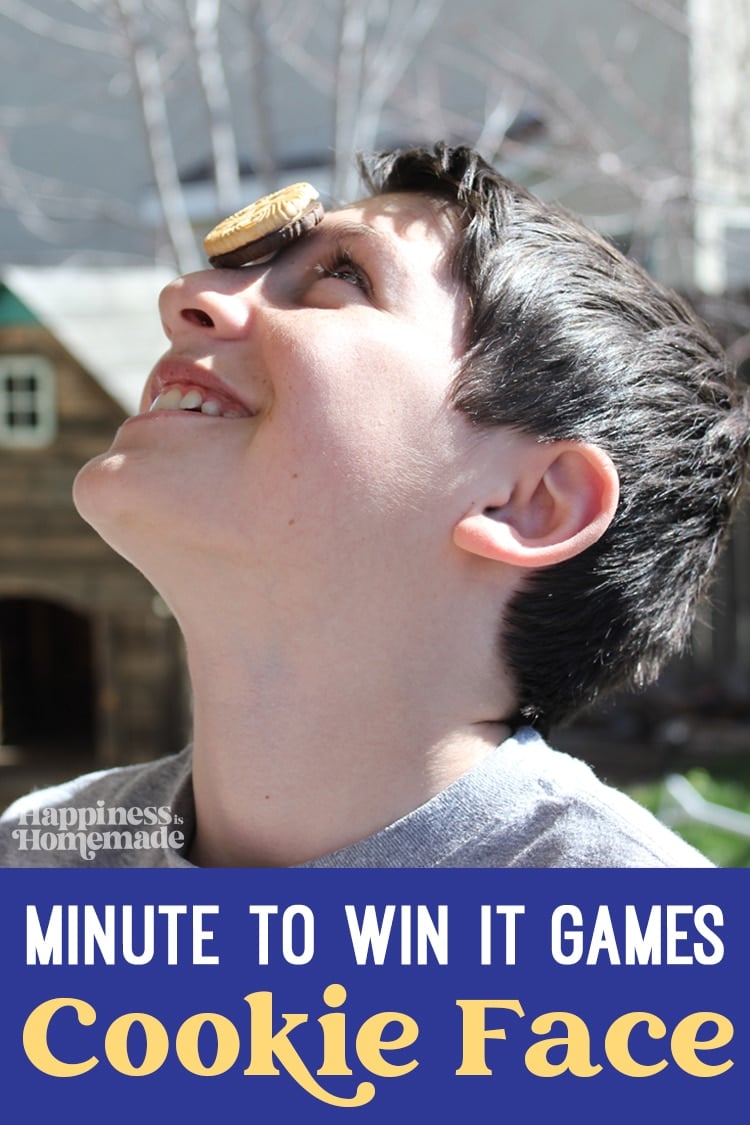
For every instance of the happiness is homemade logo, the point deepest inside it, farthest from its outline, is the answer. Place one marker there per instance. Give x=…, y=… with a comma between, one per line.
x=98, y=828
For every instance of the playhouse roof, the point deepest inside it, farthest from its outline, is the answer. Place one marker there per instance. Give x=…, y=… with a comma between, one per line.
x=107, y=319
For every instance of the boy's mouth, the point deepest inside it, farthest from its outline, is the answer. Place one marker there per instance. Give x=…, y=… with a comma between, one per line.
x=198, y=400
x=180, y=384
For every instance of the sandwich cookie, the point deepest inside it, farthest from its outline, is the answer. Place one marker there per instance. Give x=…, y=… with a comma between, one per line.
x=256, y=233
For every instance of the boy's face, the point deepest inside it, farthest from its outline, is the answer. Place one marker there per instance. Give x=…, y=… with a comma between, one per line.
x=336, y=452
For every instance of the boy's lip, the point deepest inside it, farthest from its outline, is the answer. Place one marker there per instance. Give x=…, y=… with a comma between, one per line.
x=172, y=371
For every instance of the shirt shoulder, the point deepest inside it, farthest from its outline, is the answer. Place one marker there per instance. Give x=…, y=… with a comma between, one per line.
x=567, y=817
x=42, y=828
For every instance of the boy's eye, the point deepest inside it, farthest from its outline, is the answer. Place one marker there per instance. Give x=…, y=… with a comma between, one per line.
x=342, y=267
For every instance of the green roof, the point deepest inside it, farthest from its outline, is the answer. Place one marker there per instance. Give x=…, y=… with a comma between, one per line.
x=13, y=311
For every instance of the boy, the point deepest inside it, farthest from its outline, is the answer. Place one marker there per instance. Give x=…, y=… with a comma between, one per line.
x=433, y=479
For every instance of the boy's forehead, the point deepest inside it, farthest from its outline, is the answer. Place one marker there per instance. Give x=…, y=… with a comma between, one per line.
x=410, y=216
x=406, y=227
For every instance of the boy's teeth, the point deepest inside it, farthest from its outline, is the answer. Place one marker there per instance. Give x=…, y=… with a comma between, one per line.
x=193, y=398
x=169, y=400
x=211, y=406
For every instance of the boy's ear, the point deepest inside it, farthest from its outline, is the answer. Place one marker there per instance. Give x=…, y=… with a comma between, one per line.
x=557, y=499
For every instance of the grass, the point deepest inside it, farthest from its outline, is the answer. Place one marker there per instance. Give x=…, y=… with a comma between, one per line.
x=726, y=849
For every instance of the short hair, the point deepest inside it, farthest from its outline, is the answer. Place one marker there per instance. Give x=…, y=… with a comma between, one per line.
x=570, y=340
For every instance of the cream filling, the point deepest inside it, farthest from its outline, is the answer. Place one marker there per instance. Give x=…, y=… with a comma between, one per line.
x=195, y=399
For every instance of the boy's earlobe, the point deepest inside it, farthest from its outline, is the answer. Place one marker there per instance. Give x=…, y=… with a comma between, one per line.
x=562, y=501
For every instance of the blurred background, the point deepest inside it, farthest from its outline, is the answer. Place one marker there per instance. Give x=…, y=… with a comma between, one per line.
x=129, y=127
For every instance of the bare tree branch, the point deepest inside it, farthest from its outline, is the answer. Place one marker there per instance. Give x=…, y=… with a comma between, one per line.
x=399, y=45
x=370, y=66
x=153, y=107
x=40, y=23
x=670, y=15
x=203, y=16
x=352, y=39
x=259, y=50
x=379, y=70
x=287, y=36
x=15, y=195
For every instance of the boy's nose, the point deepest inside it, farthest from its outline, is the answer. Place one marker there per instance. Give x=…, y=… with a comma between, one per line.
x=219, y=302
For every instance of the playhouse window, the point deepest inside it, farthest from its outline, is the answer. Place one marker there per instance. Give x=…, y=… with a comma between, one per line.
x=27, y=401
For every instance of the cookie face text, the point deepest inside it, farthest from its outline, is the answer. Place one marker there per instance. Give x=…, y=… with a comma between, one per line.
x=63, y=1037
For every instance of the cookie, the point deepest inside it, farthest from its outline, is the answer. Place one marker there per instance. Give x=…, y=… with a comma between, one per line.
x=257, y=232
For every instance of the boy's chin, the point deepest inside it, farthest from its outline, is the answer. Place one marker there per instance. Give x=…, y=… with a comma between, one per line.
x=93, y=486
x=104, y=499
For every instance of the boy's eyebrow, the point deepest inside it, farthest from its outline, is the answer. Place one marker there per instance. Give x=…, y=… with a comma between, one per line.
x=352, y=229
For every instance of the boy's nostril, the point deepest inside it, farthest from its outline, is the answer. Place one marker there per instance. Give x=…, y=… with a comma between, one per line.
x=197, y=316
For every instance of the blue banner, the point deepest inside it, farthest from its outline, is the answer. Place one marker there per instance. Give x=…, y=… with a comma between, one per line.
x=587, y=995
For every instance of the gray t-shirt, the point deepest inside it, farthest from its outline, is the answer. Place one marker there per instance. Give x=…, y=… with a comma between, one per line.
x=524, y=805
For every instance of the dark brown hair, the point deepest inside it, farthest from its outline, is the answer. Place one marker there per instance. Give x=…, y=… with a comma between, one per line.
x=570, y=340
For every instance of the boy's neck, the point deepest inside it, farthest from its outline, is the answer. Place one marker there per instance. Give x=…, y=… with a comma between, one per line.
x=297, y=754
